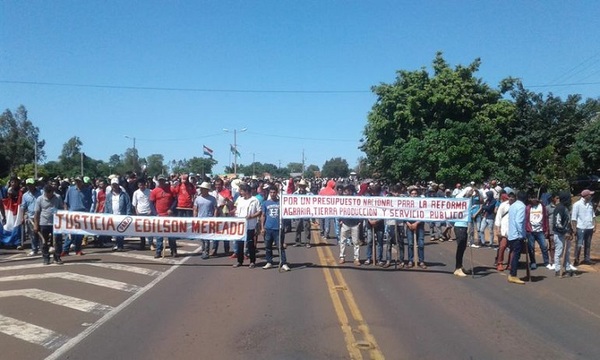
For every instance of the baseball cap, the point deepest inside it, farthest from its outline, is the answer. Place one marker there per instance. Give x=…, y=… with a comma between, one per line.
x=161, y=177
x=587, y=192
x=30, y=181
x=114, y=181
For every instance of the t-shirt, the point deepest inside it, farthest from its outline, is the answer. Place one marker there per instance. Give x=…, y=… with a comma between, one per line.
x=141, y=201
x=536, y=215
x=245, y=207
x=47, y=208
x=162, y=199
x=206, y=205
x=271, y=210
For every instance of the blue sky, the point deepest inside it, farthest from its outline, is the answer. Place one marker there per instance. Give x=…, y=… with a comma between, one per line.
x=296, y=74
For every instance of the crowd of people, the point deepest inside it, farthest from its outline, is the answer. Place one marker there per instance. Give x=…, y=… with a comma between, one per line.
x=500, y=218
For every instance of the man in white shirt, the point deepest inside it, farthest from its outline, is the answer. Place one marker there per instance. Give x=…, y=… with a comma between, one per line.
x=584, y=220
x=247, y=206
x=140, y=203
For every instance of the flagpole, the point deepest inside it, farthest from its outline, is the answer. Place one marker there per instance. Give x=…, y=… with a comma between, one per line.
x=235, y=151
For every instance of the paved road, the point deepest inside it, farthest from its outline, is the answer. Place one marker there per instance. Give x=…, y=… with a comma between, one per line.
x=129, y=306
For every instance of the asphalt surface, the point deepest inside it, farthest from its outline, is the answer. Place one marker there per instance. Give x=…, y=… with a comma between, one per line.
x=189, y=308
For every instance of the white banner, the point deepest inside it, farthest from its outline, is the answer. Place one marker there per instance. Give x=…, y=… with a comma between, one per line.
x=375, y=207
x=214, y=228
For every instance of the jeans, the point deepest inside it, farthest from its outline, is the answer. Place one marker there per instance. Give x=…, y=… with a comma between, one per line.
x=436, y=230
x=584, y=239
x=486, y=224
x=347, y=233
x=303, y=231
x=35, y=240
x=48, y=239
x=336, y=228
x=77, y=239
x=120, y=242
x=172, y=245
x=475, y=225
x=559, y=240
x=461, y=245
x=515, y=250
x=420, y=234
x=271, y=235
x=377, y=231
x=325, y=225
x=532, y=238
x=143, y=240
x=395, y=236
x=215, y=246
x=249, y=244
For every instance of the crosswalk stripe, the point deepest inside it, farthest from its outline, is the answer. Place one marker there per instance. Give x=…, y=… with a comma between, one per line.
x=60, y=300
x=113, y=284
x=144, y=257
x=31, y=333
x=129, y=268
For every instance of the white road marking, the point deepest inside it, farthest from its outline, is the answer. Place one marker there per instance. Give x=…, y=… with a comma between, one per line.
x=129, y=268
x=113, y=284
x=60, y=352
x=59, y=299
x=31, y=333
x=145, y=257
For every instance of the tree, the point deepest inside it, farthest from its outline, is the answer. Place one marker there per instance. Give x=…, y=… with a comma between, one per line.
x=155, y=165
x=445, y=126
x=311, y=171
x=20, y=140
x=70, y=157
x=335, y=167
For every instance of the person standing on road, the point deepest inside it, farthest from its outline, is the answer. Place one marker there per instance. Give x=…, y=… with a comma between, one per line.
x=461, y=232
x=537, y=229
x=28, y=204
x=247, y=206
x=164, y=202
x=79, y=199
x=205, y=205
x=224, y=208
x=395, y=234
x=303, y=226
x=185, y=193
x=583, y=219
x=415, y=229
x=271, y=229
x=501, y=225
x=45, y=207
x=517, y=234
x=488, y=210
x=349, y=229
x=563, y=233
x=117, y=203
x=141, y=206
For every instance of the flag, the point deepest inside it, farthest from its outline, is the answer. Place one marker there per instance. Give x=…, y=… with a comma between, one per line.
x=207, y=151
x=234, y=151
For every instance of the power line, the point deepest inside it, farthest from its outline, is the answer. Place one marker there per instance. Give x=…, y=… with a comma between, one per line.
x=152, y=88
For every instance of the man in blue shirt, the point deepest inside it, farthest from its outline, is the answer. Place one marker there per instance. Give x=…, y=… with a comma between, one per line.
x=516, y=234
x=77, y=198
x=28, y=204
x=271, y=229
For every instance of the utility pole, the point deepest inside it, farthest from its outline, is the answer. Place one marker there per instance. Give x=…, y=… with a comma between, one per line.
x=302, y=162
x=235, y=151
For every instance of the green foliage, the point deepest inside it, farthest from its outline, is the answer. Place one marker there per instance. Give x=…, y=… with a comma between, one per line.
x=20, y=140
x=335, y=167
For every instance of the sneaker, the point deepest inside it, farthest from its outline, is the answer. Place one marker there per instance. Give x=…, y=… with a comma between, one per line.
x=157, y=256
x=19, y=247
x=51, y=250
x=357, y=262
x=297, y=244
x=380, y=263
x=475, y=246
x=204, y=256
x=386, y=264
x=459, y=272
x=115, y=248
x=533, y=266
x=367, y=262
x=571, y=268
x=267, y=266
x=515, y=280
x=58, y=262
x=237, y=265
x=341, y=261
x=550, y=267
x=284, y=267
x=308, y=246
x=409, y=265
x=422, y=265
x=252, y=266
x=32, y=253
x=152, y=247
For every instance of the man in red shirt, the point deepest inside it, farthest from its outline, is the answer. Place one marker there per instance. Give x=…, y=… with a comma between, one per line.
x=184, y=191
x=164, y=202
x=224, y=208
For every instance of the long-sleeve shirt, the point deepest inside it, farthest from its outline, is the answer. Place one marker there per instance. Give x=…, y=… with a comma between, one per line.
x=516, y=221
x=583, y=214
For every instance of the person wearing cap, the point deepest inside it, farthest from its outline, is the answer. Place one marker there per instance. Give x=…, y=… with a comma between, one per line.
x=303, y=226
x=205, y=205
x=46, y=206
x=78, y=198
x=164, y=202
x=583, y=219
x=28, y=204
x=117, y=203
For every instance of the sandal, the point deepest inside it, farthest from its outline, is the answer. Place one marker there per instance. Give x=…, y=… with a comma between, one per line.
x=409, y=265
x=422, y=265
